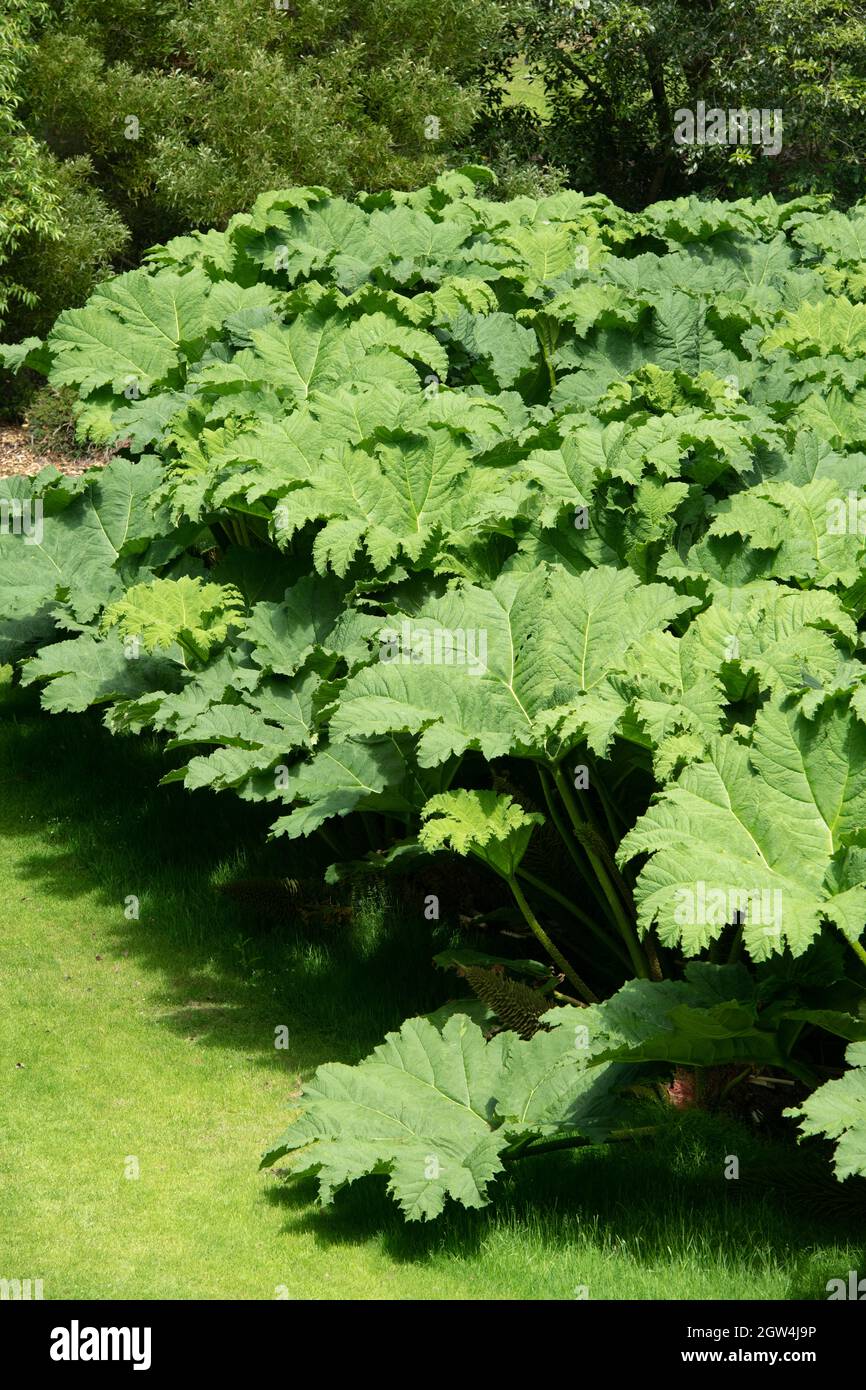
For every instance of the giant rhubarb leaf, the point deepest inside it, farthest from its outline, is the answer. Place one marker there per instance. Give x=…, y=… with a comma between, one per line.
x=437, y=1111
x=490, y=826
x=525, y=664
x=764, y=834
x=73, y=556
x=837, y=1110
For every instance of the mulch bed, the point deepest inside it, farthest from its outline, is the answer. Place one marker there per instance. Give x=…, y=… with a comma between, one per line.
x=19, y=456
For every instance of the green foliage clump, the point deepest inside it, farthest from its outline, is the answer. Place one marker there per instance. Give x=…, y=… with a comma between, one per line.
x=61, y=270
x=439, y=517
x=51, y=422
x=186, y=113
x=58, y=235
x=28, y=200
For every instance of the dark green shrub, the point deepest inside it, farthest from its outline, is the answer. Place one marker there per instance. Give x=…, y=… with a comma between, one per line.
x=28, y=201
x=51, y=423
x=136, y=121
x=55, y=265
x=61, y=270
x=188, y=112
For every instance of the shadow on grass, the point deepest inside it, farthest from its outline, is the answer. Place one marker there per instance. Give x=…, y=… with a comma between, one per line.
x=109, y=829
x=659, y=1202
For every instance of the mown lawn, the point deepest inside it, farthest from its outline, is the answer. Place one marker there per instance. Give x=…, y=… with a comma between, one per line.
x=153, y=1040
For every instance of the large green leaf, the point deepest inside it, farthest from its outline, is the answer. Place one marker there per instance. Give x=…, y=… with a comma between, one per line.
x=522, y=665
x=395, y=499
x=421, y=1108
x=130, y=334
x=760, y=831
x=90, y=670
x=490, y=826
x=341, y=778
x=837, y=1110
x=72, y=556
x=276, y=719
x=312, y=618
x=165, y=611
x=436, y=1111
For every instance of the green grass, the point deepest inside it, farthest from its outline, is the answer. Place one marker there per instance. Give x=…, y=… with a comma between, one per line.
x=153, y=1039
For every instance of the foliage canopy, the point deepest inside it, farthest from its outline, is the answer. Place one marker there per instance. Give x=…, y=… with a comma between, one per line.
x=511, y=530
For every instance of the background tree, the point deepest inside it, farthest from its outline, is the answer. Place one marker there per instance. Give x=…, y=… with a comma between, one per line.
x=616, y=71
